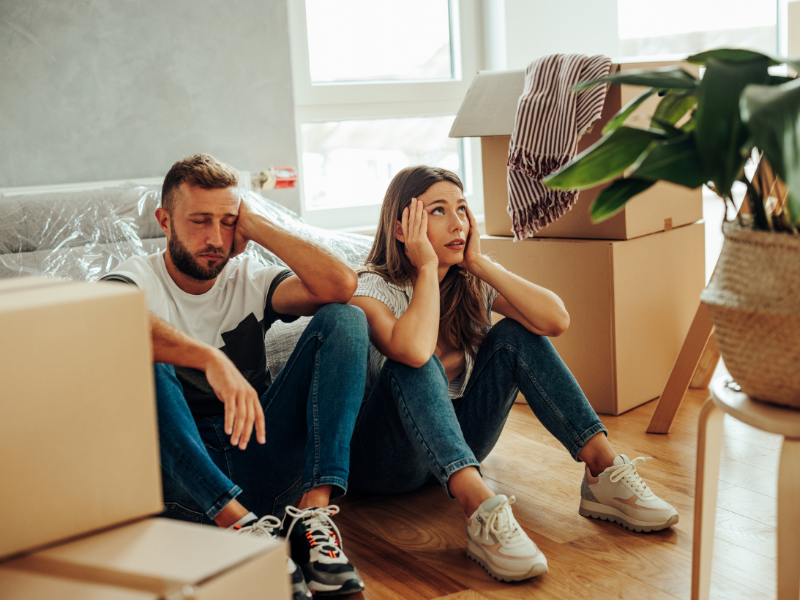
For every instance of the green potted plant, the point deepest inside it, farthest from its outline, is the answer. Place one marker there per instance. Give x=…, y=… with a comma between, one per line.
x=704, y=131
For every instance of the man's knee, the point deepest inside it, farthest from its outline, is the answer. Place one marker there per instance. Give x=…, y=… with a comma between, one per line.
x=341, y=317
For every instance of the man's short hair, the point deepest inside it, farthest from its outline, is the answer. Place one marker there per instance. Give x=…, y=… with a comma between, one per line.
x=199, y=170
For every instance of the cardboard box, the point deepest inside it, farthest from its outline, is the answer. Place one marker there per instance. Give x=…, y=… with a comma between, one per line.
x=488, y=111
x=78, y=436
x=22, y=585
x=171, y=557
x=630, y=303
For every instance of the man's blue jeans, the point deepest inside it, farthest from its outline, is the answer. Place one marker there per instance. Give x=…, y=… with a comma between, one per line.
x=409, y=429
x=310, y=411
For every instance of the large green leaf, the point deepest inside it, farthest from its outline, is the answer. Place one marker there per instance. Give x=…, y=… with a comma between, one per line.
x=665, y=126
x=738, y=55
x=731, y=55
x=773, y=116
x=604, y=160
x=719, y=131
x=612, y=199
x=670, y=78
x=676, y=160
x=627, y=110
x=674, y=105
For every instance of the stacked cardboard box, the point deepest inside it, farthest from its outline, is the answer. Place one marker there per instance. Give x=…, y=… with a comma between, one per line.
x=631, y=284
x=79, y=454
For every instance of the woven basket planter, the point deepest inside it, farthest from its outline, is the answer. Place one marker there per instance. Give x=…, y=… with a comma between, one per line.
x=754, y=302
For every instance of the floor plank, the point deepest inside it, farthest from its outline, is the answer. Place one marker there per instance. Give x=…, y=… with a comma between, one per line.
x=413, y=545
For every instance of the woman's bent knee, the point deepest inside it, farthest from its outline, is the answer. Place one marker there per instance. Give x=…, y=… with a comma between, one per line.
x=431, y=371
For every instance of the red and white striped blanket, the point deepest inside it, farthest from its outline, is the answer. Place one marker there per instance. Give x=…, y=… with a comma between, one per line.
x=550, y=120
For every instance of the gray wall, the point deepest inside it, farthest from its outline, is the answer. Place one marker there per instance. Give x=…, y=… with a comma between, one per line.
x=96, y=90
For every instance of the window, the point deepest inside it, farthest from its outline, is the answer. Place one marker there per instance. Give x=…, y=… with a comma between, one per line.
x=653, y=27
x=365, y=40
x=377, y=85
x=350, y=163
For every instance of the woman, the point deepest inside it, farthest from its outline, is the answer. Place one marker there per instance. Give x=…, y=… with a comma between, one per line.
x=441, y=380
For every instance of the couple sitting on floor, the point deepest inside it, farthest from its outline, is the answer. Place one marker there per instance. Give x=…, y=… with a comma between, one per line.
x=412, y=330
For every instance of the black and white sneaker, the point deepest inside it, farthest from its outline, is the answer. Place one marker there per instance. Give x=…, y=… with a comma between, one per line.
x=316, y=546
x=268, y=527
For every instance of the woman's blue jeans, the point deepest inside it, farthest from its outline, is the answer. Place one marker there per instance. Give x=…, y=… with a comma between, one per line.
x=410, y=429
x=310, y=411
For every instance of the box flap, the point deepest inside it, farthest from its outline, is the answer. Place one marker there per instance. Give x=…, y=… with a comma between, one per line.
x=15, y=284
x=490, y=106
x=158, y=555
x=22, y=585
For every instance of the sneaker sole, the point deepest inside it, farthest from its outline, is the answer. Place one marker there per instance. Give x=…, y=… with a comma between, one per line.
x=608, y=513
x=476, y=554
x=349, y=587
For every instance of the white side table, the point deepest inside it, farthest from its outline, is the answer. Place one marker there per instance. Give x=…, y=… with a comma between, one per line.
x=726, y=398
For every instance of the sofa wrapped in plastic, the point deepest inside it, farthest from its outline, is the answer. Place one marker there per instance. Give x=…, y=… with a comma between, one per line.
x=82, y=235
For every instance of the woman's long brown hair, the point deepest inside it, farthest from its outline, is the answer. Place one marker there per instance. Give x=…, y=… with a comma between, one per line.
x=461, y=304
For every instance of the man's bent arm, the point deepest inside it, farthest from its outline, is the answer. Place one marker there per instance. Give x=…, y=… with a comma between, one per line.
x=322, y=277
x=242, y=406
x=173, y=347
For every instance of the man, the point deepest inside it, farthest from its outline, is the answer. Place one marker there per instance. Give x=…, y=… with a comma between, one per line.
x=208, y=320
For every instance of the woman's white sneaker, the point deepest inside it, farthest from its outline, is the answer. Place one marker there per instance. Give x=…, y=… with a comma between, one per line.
x=619, y=494
x=497, y=542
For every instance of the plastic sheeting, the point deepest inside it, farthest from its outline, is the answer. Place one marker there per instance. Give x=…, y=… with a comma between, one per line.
x=82, y=235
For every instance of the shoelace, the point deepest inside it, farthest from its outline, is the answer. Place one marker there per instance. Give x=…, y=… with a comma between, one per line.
x=629, y=474
x=264, y=527
x=501, y=522
x=320, y=528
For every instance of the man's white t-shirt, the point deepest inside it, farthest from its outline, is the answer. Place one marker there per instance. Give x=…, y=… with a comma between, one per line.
x=234, y=315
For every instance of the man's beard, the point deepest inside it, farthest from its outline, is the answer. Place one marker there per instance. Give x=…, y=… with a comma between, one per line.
x=186, y=263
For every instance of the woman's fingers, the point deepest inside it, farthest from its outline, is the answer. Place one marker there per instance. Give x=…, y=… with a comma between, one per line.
x=404, y=224
x=420, y=217
x=472, y=223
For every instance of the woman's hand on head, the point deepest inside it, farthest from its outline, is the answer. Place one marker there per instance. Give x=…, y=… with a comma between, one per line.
x=415, y=233
x=472, y=251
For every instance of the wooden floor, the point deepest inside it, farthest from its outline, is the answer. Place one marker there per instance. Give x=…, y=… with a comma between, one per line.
x=413, y=545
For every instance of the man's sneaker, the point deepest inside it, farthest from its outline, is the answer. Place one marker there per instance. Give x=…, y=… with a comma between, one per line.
x=268, y=527
x=316, y=546
x=497, y=542
x=619, y=494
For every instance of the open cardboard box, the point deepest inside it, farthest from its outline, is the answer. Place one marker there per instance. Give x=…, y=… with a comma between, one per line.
x=630, y=303
x=171, y=559
x=22, y=585
x=78, y=434
x=488, y=112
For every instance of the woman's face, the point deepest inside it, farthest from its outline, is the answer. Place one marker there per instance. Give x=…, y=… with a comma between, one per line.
x=448, y=224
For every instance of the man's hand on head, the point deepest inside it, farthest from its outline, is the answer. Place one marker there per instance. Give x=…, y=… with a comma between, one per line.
x=242, y=405
x=243, y=222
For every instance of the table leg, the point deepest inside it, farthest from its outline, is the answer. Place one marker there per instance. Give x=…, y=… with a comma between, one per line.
x=789, y=521
x=709, y=448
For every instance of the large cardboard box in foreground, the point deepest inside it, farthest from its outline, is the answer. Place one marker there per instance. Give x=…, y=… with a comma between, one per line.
x=488, y=112
x=171, y=559
x=22, y=585
x=78, y=435
x=630, y=304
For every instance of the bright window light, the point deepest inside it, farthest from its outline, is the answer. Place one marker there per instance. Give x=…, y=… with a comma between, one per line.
x=653, y=27
x=350, y=163
x=378, y=40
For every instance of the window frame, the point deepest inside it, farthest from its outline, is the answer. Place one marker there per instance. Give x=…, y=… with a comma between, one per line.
x=385, y=100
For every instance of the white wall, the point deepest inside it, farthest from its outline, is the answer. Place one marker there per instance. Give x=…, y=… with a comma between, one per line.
x=516, y=32
x=93, y=90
